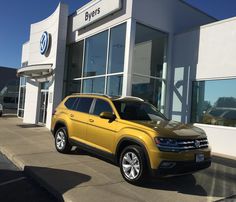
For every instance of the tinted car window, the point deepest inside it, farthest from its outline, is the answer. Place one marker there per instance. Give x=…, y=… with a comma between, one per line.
x=84, y=105
x=135, y=110
x=70, y=102
x=101, y=106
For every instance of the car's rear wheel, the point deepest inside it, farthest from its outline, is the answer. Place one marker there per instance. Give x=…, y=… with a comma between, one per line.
x=61, y=141
x=132, y=164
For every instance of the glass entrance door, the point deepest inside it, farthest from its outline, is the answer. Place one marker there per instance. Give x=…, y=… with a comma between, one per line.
x=43, y=103
x=43, y=107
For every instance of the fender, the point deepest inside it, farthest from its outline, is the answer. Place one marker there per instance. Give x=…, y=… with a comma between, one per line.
x=58, y=122
x=136, y=142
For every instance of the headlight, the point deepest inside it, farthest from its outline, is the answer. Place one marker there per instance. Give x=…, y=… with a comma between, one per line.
x=177, y=145
x=167, y=144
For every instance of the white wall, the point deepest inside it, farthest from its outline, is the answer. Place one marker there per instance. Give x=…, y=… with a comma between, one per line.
x=31, y=102
x=217, y=55
x=210, y=53
x=222, y=139
x=217, y=59
x=56, y=26
x=25, y=52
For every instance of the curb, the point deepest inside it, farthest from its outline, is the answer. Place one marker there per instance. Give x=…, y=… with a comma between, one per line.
x=28, y=172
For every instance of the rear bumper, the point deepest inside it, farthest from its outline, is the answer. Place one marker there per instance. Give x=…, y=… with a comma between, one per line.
x=181, y=167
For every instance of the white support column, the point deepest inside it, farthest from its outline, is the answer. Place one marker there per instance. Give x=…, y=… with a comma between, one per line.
x=130, y=42
x=169, y=79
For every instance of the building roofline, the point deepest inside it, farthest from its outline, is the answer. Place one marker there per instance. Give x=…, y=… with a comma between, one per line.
x=197, y=9
x=182, y=1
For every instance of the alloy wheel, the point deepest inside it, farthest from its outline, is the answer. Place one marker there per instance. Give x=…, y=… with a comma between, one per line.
x=131, y=165
x=60, y=140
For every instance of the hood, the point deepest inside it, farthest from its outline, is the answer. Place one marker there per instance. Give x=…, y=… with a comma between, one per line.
x=174, y=129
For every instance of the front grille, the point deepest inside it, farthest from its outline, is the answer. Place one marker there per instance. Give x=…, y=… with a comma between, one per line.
x=182, y=145
x=192, y=144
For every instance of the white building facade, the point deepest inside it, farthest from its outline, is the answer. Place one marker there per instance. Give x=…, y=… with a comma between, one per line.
x=164, y=51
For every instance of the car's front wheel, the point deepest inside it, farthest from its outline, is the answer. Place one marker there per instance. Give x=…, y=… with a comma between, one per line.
x=132, y=164
x=61, y=141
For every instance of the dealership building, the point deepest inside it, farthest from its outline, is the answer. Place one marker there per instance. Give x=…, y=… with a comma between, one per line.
x=167, y=52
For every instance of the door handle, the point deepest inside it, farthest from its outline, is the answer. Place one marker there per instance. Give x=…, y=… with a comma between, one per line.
x=72, y=115
x=91, y=120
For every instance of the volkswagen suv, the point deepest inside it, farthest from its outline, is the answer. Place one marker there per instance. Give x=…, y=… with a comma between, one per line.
x=130, y=132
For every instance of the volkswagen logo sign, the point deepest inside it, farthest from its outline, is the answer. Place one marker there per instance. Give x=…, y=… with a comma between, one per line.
x=197, y=143
x=44, y=43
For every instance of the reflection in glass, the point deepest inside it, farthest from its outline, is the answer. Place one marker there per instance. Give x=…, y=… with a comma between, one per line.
x=149, y=51
x=74, y=68
x=95, y=85
x=117, y=49
x=74, y=87
x=148, y=89
x=214, y=102
x=45, y=85
x=114, y=85
x=75, y=60
x=96, y=54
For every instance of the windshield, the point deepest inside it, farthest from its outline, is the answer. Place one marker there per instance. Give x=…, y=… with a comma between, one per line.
x=137, y=110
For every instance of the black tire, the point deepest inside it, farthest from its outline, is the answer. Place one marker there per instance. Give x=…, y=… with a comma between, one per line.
x=139, y=153
x=65, y=146
x=0, y=114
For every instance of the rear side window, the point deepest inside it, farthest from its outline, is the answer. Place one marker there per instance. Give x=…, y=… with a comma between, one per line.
x=70, y=103
x=101, y=106
x=84, y=105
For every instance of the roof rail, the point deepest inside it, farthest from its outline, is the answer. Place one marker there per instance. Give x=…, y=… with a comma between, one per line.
x=131, y=97
x=99, y=94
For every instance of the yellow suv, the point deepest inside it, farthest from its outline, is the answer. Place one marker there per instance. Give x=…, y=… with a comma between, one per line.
x=131, y=133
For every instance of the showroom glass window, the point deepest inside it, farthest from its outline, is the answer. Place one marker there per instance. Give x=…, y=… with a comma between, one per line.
x=117, y=49
x=214, y=102
x=94, y=85
x=98, y=63
x=149, y=65
x=96, y=55
x=74, y=68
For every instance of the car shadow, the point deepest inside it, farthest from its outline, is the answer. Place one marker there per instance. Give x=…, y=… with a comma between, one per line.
x=56, y=181
x=216, y=181
x=185, y=184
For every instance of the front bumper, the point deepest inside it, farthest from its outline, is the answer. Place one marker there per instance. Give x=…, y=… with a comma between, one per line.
x=179, y=162
x=181, y=167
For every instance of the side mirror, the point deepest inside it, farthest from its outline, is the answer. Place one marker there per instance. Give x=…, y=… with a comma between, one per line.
x=107, y=115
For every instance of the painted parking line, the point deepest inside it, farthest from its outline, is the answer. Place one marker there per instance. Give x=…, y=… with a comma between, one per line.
x=12, y=181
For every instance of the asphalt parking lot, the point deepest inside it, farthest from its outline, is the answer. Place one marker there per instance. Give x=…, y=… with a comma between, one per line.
x=81, y=176
x=16, y=186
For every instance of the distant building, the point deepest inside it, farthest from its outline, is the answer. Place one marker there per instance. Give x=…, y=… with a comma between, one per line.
x=9, y=90
x=6, y=75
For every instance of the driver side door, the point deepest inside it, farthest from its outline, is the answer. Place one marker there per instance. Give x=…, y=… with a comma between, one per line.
x=101, y=132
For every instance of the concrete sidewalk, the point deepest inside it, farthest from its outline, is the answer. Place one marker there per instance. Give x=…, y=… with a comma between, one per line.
x=83, y=177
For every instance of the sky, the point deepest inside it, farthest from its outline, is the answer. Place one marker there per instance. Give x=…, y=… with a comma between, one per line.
x=17, y=15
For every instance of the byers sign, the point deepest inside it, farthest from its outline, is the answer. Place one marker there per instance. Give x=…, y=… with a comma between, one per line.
x=94, y=11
